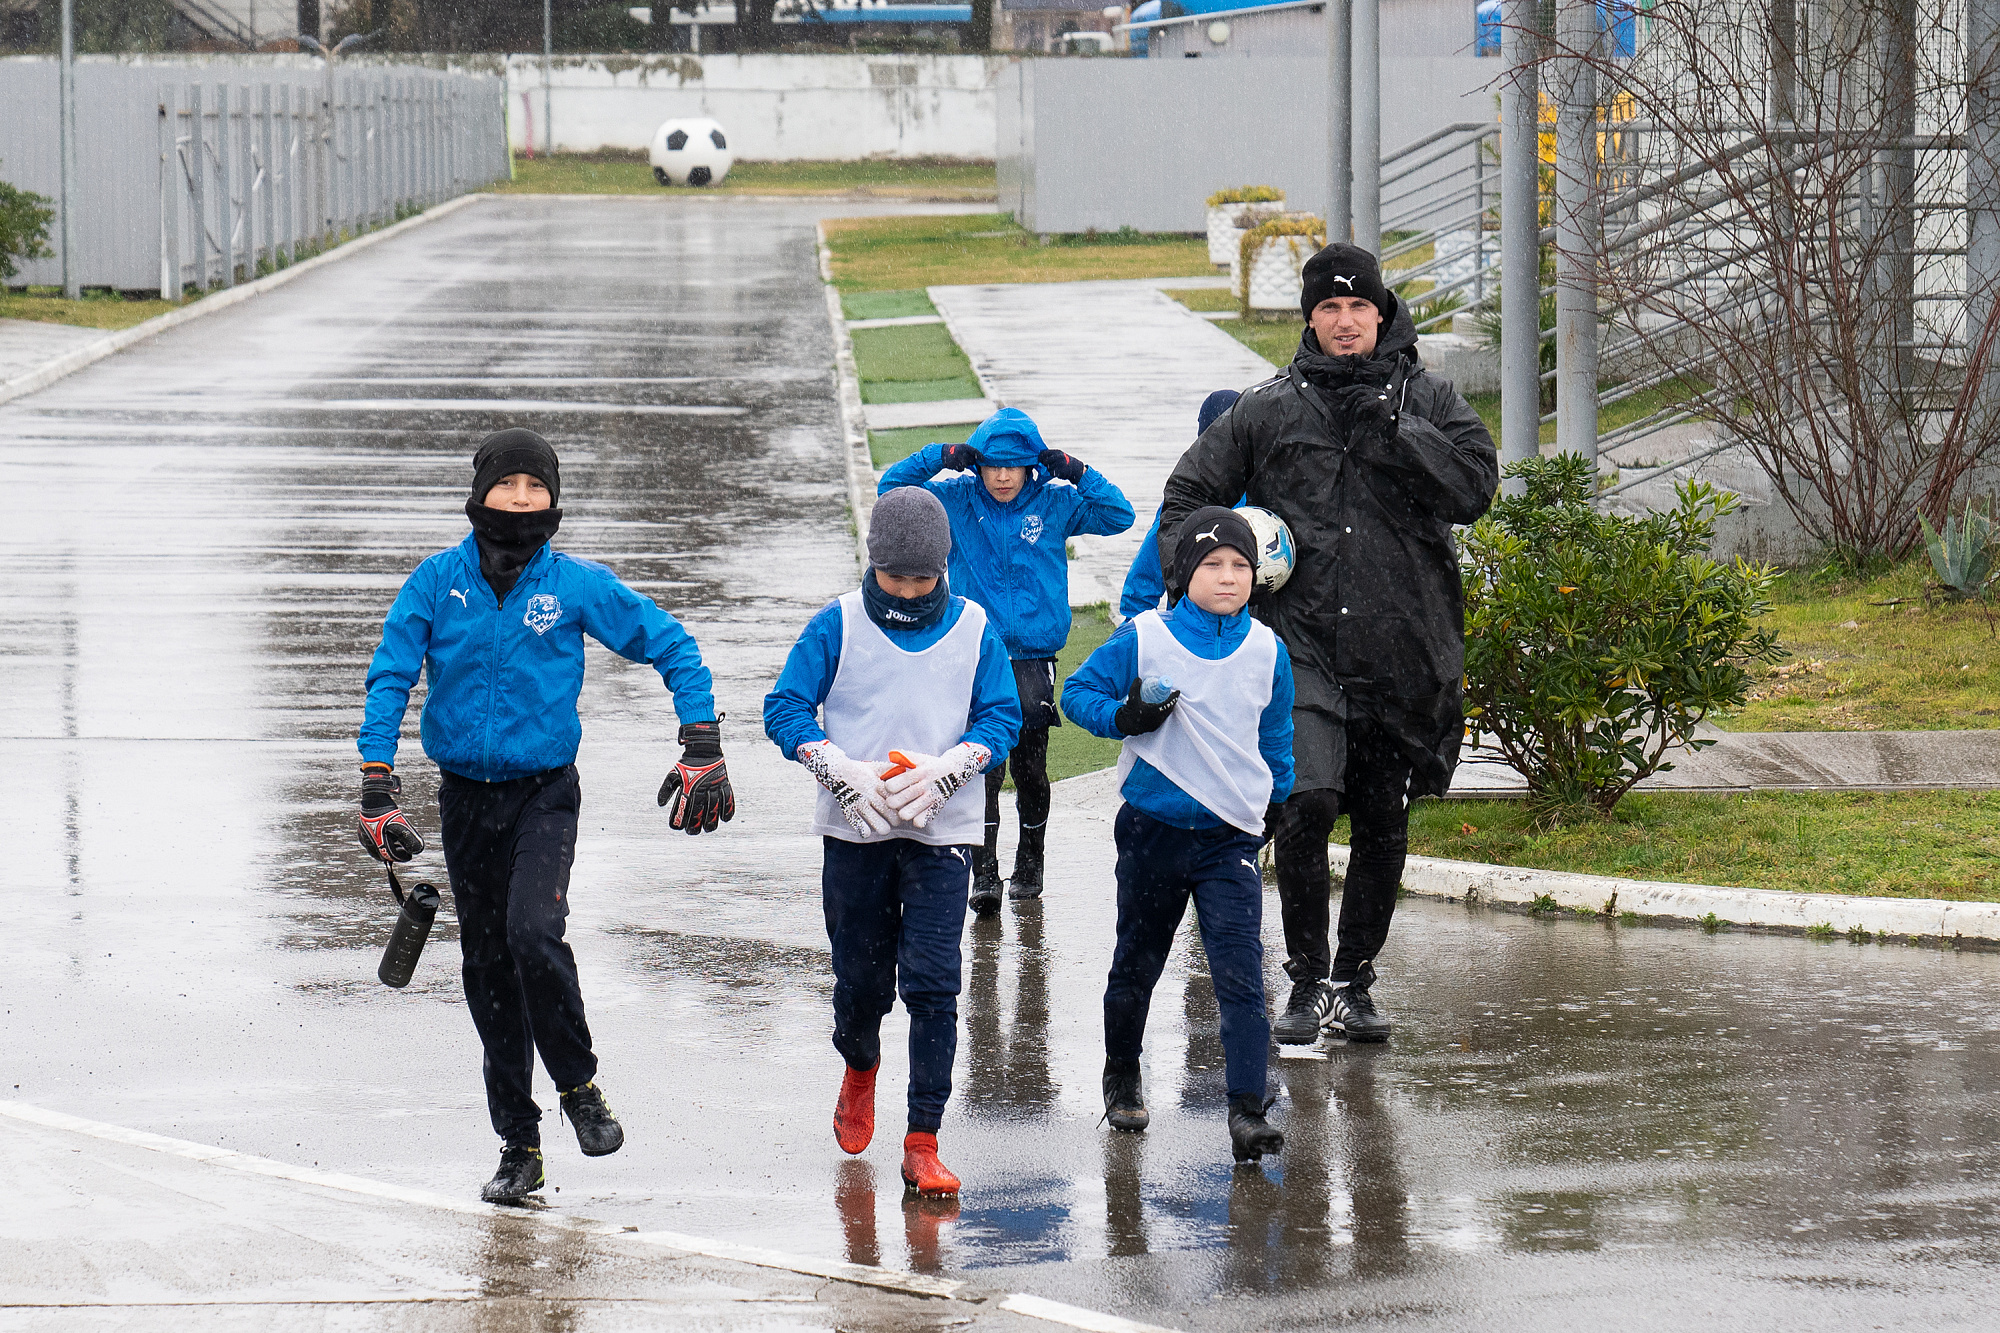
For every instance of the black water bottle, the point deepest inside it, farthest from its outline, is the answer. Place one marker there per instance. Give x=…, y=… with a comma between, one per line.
x=413, y=926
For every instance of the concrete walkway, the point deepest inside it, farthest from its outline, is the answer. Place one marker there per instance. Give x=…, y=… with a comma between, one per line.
x=28, y=344
x=1113, y=372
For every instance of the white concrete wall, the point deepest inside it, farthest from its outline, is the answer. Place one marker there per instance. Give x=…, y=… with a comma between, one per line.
x=773, y=107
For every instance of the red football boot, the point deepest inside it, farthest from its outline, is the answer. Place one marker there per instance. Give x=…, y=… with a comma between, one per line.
x=922, y=1171
x=854, y=1113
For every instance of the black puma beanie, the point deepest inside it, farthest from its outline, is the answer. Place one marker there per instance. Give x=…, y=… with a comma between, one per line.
x=515, y=450
x=1344, y=270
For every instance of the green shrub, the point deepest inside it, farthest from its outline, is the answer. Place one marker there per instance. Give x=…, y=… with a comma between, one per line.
x=24, y=228
x=1595, y=643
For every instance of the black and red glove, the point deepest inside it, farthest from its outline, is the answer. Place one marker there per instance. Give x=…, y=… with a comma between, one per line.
x=385, y=833
x=960, y=458
x=699, y=785
x=1062, y=466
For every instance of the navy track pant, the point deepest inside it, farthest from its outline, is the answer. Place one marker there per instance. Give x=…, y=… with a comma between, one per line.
x=508, y=848
x=1159, y=868
x=895, y=911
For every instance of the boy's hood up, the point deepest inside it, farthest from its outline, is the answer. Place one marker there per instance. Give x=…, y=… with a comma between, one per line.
x=1009, y=438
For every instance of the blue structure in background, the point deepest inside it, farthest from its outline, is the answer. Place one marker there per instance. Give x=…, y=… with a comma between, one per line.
x=892, y=14
x=1617, y=19
x=1145, y=13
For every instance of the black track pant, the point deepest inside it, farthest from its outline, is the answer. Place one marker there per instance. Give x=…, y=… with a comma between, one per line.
x=1029, y=763
x=508, y=848
x=1376, y=783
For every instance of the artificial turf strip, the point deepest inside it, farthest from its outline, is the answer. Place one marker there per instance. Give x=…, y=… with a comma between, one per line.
x=889, y=447
x=886, y=305
x=623, y=172
x=1889, y=844
x=911, y=363
x=900, y=253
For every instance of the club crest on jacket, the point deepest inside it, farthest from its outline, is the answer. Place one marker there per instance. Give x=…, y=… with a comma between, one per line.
x=543, y=612
x=1031, y=529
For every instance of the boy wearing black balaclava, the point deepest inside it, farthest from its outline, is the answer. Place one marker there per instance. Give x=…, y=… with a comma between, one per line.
x=498, y=623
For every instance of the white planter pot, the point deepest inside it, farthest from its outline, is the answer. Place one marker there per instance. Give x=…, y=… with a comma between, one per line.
x=1224, y=236
x=1274, y=279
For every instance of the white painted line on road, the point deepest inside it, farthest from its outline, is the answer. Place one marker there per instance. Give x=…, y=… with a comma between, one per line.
x=1075, y=1316
x=915, y=1284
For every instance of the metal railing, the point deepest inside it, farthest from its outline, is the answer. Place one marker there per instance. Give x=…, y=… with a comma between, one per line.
x=1439, y=192
x=251, y=175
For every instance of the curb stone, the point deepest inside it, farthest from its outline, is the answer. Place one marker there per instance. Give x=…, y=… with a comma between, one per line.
x=1936, y=922
x=71, y=362
x=853, y=418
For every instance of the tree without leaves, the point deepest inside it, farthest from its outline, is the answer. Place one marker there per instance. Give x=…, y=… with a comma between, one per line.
x=1780, y=207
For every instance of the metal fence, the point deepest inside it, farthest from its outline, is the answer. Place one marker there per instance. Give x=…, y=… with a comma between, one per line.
x=185, y=181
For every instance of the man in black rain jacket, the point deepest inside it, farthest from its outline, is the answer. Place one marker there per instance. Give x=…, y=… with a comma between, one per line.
x=1370, y=461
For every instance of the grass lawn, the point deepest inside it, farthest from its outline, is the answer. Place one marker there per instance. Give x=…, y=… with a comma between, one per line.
x=1898, y=845
x=1072, y=750
x=893, y=446
x=1860, y=666
x=628, y=173
x=911, y=363
x=97, y=309
x=896, y=254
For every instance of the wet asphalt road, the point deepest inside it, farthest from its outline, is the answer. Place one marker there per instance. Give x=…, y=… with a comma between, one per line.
x=1576, y=1125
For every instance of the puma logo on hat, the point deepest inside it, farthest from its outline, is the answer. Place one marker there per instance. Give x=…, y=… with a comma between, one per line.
x=1344, y=280
x=1208, y=536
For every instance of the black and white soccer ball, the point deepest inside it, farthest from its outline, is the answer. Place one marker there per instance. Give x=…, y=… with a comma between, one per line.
x=694, y=151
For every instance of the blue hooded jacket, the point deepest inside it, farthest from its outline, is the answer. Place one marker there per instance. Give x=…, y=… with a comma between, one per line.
x=1011, y=558
x=504, y=677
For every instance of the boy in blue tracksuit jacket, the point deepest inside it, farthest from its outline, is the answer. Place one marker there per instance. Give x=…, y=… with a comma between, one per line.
x=1145, y=584
x=1011, y=520
x=496, y=626
x=896, y=698
x=1197, y=799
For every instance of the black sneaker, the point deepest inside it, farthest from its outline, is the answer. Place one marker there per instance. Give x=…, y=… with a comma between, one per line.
x=1124, y=1101
x=520, y=1175
x=1250, y=1135
x=1305, y=1014
x=1354, y=1010
x=597, y=1130
x=1027, y=882
x=985, y=896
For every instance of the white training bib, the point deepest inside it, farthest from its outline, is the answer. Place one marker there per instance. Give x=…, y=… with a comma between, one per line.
x=1208, y=745
x=884, y=698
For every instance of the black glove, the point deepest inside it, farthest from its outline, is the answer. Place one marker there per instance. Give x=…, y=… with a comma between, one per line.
x=385, y=834
x=1062, y=466
x=1368, y=411
x=1273, y=812
x=1136, y=717
x=699, y=785
x=960, y=458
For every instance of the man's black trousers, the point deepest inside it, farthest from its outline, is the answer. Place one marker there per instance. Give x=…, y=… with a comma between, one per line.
x=1373, y=795
x=508, y=848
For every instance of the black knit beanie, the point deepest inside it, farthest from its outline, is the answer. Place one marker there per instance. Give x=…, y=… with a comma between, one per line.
x=515, y=450
x=1204, y=531
x=1344, y=270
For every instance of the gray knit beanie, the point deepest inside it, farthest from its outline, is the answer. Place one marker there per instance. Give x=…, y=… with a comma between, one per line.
x=908, y=534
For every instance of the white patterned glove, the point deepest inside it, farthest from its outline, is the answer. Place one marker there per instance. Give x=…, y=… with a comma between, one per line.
x=855, y=785
x=920, y=793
